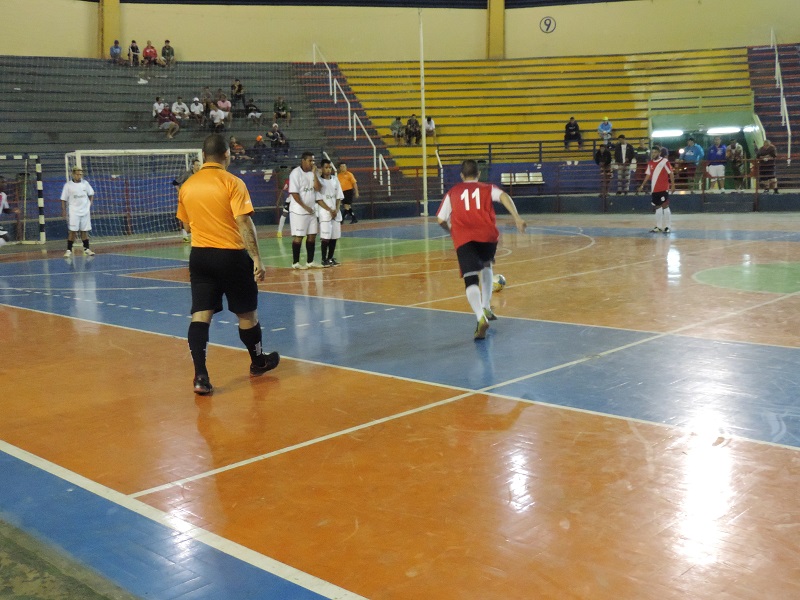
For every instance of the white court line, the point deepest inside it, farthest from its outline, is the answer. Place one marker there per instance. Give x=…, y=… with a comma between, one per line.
x=246, y=555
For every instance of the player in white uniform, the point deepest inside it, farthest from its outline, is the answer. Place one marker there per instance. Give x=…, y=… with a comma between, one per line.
x=77, y=197
x=303, y=186
x=329, y=199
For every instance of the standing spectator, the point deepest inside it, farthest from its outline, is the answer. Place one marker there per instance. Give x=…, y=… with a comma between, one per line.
x=215, y=207
x=303, y=186
x=350, y=190
x=717, y=156
x=134, y=54
x=259, y=151
x=467, y=213
x=150, y=55
x=76, y=201
x=398, y=129
x=225, y=106
x=605, y=130
x=115, y=52
x=329, y=197
x=254, y=115
x=278, y=141
x=197, y=112
x=178, y=182
x=430, y=128
x=167, y=54
x=692, y=157
x=158, y=106
x=168, y=122
x=180, y=110
x=624, y=154
x=660, y=173
x=413, y=130
x=237, y=94
x=603, y=158
x=282, y=110
x=642, y=158
x=735, y=155
x=572, y=133
x=766, y=157
x=283, y=198
x=208, y=100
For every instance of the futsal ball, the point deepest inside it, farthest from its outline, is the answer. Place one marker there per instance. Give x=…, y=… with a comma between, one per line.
x=498, y=282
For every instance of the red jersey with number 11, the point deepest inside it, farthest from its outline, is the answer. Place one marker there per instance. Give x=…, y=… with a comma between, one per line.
x=469, y=207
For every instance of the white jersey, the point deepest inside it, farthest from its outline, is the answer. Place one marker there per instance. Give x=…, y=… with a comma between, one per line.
x=4, y=202
x=330, y=194
x=302, y=183
x=77, y=195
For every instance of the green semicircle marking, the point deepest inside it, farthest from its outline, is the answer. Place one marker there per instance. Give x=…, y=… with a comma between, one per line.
x=777, y=278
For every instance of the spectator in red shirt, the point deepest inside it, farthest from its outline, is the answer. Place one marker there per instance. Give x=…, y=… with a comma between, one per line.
x=149, y=55
x=168, y=122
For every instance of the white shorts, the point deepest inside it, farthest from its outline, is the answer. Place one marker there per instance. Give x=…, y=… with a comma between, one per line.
x=330, y=230
x=79, y=223
x=716, y=170
x=254, y=115
x=165, y=125
x=303, y=225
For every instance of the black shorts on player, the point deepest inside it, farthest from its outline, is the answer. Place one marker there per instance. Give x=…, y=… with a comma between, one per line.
x=217, y=272
x=474, y=256
x=659, y=198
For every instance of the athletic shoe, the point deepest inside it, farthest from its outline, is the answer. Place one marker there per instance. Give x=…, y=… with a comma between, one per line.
x=353, y=221
x=88, y=252
x=186, y=239
x=299, y=266
x=68, y=254
x=280, y=234
x=334, y=262
x=314, y=265
x=267, y=363
x=667, y=230
x=655, y=230
x=202, y=386
x=326, y=263
x=490, y=316
x=480, y=329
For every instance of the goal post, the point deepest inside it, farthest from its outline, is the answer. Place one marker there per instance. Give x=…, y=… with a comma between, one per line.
x=134, y=195
x=22, y=199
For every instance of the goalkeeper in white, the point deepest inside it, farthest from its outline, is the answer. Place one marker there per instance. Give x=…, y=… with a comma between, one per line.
x=77, y=197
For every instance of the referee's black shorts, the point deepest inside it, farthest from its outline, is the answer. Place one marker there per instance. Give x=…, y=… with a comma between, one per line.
x=348, y=196
x=474, y=256
x=217, y=272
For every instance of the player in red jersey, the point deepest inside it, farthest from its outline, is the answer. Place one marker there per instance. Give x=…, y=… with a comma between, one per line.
x=663, y=184
x=467, y=212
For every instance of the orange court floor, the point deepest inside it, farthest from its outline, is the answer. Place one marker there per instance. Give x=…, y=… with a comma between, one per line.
x=628, y=430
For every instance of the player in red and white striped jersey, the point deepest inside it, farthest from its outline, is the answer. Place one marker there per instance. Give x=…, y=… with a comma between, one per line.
x=467, y=212
x=659, y=173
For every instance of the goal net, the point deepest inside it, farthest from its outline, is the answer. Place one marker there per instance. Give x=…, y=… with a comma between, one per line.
x=133, y=191
x=21, y=199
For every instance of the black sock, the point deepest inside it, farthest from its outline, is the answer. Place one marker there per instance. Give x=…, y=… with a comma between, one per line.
x=331, y=249
x=296, y=252
x=198, y=341
x=69, y=244
x=251, y=338
x=310, y=250
x=86, y=243
x=325, y=244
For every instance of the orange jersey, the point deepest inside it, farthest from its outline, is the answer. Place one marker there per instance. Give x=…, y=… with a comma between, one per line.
x=346, y=180
x=209, y=202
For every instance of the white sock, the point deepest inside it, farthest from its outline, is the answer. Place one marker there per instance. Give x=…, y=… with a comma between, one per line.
x=281, y=223
x=486, y=286
x=659, y=217
x=667, y=216
x=184, y=233
x=474, y=298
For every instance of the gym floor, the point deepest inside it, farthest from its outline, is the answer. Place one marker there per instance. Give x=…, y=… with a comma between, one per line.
x=629, y=429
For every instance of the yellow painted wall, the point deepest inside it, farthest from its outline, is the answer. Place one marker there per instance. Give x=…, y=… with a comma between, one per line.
x=650, y=25
x=49, y=28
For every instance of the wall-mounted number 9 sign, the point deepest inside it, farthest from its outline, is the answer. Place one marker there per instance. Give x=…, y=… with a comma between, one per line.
x=548, y=24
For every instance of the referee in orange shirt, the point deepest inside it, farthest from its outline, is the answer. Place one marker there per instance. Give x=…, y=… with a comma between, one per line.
x=349, y=188
x=215, y=207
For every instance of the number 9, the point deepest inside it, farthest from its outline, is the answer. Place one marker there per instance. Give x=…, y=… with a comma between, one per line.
x=547, y=24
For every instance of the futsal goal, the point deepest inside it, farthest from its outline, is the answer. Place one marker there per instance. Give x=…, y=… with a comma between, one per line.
x=21, y=199
x=134, y=195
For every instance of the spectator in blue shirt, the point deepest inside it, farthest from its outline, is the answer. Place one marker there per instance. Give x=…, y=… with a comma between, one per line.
x=116, y=54
x=716, y=165
x=605, y=129
x=691, y=157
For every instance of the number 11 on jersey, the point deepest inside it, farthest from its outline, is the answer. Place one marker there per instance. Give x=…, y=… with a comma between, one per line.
x=476, y=195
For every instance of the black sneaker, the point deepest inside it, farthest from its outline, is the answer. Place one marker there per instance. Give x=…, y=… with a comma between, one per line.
x=267, y=363
x=334, y=262
x=202, y=386
x=667, y=230
x=353, y=221
x=327, y=263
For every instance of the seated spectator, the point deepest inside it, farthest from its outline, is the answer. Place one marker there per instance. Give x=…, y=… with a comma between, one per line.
x=253, y=113
x=413, y=130
x=167, y=54
x=116, y=54
x=398, y=129
x=225, y=105
x=282, y=110
x=168, y=122
x=216, y=117
x=134, y=54
x=572, y=133
x=149, y=55
x=238, y=153
x=259, y=151
x=278, y=140
x=430, y=128
x=208, y=100
x=237, y=94
x=197, y=112
x=158, y=106
x=605, y=130
x=180, y=110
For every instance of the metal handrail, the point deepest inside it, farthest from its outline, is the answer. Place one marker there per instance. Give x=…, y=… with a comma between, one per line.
x=784, y=109
x=335, y=101
x=314, y=51
x=369, y=139
x=383, y=165
x=441, y=171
